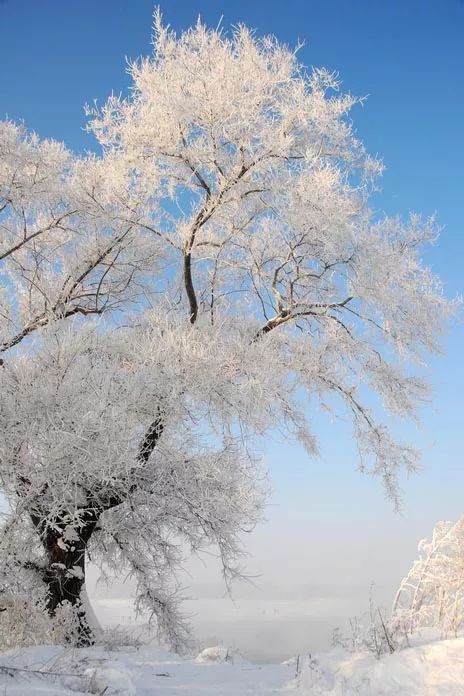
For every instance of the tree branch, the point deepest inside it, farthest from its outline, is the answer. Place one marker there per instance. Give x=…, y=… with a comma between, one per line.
x=61, y=302
x=56, y=223
x=288, y=314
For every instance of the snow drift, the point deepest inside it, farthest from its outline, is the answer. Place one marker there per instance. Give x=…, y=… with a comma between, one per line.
x=428, y=669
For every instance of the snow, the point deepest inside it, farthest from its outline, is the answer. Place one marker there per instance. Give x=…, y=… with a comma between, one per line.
x=431, y=669
x=434, y=668
x=220, y=654
x=76, y=571
x=215, y=654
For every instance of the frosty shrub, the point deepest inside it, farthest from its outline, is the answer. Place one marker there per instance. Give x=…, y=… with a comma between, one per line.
x=121, y=638
x=432, y=593
x=167, y=303
x=373, y=632
x=23, y=621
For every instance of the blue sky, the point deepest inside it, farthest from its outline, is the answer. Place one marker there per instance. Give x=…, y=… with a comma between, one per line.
x=408, y=58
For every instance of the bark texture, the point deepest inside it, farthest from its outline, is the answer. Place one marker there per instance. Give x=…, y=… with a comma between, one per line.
x=64, y=576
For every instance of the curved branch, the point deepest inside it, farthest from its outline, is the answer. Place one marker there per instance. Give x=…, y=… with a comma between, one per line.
x=189, y=288
x=288, y=314
x=101, y=501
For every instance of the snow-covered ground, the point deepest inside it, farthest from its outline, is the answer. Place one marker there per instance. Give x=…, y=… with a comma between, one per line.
x=429, y=669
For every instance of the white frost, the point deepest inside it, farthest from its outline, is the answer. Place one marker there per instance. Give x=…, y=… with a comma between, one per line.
x=185, y=291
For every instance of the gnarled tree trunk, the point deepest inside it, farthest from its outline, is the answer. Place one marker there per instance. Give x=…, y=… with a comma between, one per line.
x=64, y=575
x=64, y=567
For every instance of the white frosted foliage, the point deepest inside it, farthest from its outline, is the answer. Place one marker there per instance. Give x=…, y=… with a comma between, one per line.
x=166, y=303
x=432, y=593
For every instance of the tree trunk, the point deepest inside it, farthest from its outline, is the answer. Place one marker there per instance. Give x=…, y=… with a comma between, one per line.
x=65, y=579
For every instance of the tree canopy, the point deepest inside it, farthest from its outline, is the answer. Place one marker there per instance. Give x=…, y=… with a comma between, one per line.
x=188, y=290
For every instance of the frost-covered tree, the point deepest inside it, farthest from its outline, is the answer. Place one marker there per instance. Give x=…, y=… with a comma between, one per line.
x=183, y=293
x=432, y=593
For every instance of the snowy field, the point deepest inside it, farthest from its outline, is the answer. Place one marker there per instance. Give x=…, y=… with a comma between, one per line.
x=429, y=669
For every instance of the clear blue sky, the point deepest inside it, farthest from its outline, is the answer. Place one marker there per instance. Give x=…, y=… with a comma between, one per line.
x=408, y=56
